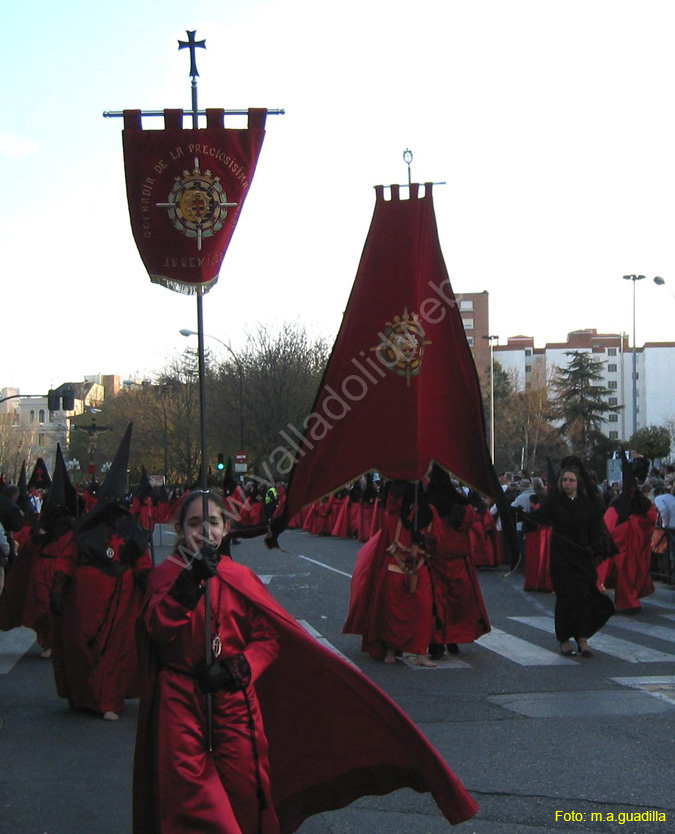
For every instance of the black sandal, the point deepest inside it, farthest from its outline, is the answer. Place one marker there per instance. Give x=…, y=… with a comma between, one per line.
x=584, y=652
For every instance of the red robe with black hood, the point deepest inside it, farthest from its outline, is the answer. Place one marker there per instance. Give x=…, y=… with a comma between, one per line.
x=98, y=588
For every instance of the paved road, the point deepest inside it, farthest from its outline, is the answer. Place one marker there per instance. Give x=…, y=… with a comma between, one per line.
x=533, y=736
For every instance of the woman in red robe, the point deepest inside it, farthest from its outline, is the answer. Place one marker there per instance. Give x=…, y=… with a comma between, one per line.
x=227, y=790
x=329, y=737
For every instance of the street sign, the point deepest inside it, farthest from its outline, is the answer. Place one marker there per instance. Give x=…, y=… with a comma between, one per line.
x=156, y=480
x=241, y=462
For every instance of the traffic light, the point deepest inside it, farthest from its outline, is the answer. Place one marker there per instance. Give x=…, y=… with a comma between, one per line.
x=53, y=401
x=221, y=462
x=68, y=398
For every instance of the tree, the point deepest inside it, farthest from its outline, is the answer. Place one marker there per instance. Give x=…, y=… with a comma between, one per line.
x=165, y=413
x=652, y=442
x=524, y=434
x=580, y=403
x=17, y=443
x=281, y=371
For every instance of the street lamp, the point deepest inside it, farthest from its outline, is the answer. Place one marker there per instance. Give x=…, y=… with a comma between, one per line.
x=186, y=332
x=661, y=282
x=634, y=278
x=490, y=340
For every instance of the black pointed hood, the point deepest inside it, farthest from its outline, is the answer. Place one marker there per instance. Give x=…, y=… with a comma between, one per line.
x=56, y=497
x=111, y=516
x=59, y=507
x=40, y=477
x=229, y=484
x=144, y=487
x=115, y=484
x=23, y=502
x=22, y=482
x=62, y=493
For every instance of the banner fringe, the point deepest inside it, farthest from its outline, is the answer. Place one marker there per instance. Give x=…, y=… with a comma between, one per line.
x=181, y=287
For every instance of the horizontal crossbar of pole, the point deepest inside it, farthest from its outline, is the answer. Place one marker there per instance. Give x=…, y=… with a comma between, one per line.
x=407, y=184
x=25, y=397
x=112, y=114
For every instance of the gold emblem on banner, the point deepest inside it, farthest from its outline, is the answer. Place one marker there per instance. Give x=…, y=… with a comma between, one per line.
x=402, y=345
x=197, y=204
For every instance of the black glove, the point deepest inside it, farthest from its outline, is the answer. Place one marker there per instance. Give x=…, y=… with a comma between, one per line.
x=204, y=564
x=57, y=595
x=230, y=675
x=187, y=589
x=277, y=526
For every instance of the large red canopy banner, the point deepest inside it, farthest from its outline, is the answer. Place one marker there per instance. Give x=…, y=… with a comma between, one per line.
x=400, y=390
x=186, y=189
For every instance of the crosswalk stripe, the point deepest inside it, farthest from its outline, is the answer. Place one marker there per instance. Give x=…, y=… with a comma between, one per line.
x=614, y=646
x=657, y=602
x=13, y=646
x=649, y=630
x=658, y=686
x=520, y=651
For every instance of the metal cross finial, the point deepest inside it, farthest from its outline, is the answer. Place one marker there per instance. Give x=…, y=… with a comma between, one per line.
x=192, y=44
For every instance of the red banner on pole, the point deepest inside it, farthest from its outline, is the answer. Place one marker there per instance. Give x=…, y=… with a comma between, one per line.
x=400, y=390
x=186, y=189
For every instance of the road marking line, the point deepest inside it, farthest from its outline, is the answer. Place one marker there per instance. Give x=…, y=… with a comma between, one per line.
x=520, y=651
x=266, y=578
x=324, y=642
x=13, y=646
x=614, y=646
x=328, y=567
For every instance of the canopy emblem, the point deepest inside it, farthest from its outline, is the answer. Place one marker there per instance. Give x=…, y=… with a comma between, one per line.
x=402, y=344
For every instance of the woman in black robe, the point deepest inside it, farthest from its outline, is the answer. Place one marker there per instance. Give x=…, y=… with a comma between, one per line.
x=581, y=608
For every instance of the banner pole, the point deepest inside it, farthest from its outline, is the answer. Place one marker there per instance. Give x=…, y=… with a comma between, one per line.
x=193, y=44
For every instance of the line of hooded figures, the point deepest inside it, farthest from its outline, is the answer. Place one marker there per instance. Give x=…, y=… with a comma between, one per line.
x=116, y=626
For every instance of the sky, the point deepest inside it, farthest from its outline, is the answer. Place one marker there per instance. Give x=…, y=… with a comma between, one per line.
x=551, y=124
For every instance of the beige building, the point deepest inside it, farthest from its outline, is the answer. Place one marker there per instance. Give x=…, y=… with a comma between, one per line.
x=30, y=430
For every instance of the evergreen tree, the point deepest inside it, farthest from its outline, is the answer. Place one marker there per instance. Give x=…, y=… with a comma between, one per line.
x=651, y=441
x=581, y=402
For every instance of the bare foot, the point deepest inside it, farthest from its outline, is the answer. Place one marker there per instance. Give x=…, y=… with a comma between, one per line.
x=46, y=653
x=390, y=656
x=423, y=660
x=110, y=716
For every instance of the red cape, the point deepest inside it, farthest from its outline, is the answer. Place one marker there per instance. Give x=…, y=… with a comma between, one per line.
x=333, y=735
x=628, y=570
